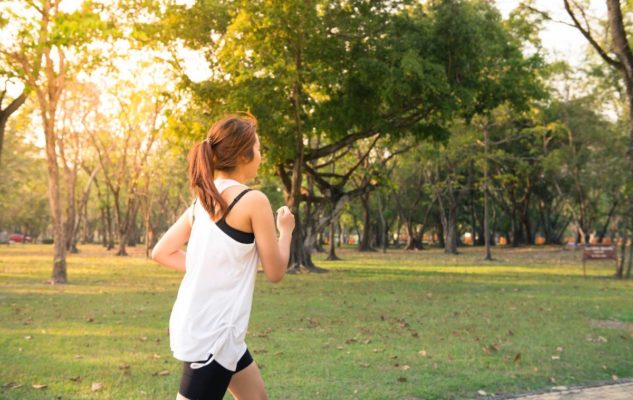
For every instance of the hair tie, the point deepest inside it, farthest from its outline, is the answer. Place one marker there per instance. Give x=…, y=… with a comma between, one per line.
x=212, y=141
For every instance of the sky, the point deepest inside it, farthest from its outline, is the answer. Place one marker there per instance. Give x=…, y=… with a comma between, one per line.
x=561, y=41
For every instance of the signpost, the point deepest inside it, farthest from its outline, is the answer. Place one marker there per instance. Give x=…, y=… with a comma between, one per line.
x=598, y=252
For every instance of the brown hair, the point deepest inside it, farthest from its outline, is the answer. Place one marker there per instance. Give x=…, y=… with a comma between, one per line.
x=228, y=141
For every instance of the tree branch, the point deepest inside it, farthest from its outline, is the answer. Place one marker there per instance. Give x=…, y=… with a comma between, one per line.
x=587, y=34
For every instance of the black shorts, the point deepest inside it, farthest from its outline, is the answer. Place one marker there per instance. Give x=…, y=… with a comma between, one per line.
x=211, y=381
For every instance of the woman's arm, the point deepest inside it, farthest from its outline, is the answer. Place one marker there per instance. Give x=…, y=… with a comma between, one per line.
x=168, y=249
x=273, y=253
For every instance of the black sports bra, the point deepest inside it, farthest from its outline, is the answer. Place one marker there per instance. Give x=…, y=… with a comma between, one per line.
x=236, y=234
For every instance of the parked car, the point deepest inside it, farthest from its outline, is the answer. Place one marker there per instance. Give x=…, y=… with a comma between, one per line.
x=19, y=238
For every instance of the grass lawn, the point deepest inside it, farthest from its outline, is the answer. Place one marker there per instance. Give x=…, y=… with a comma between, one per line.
x=400, y=325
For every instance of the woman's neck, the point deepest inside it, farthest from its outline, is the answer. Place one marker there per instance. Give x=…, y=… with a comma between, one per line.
x=236, y=177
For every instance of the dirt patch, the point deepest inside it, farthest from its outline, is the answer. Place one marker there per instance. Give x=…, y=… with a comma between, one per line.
x=611, y=324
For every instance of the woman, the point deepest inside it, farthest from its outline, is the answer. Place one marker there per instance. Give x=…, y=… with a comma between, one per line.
x=229, y=229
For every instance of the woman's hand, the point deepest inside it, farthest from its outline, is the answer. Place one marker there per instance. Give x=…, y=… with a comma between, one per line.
x=285, y=220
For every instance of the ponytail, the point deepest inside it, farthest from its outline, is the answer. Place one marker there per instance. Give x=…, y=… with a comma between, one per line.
x=201, y=175
x=229, y=140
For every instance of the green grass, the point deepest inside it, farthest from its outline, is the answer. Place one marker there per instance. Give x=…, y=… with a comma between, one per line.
x=355, y=332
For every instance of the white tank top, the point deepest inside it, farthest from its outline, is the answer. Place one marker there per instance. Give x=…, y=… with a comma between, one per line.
x=213, y=306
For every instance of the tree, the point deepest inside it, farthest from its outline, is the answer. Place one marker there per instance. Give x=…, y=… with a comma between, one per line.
x=38, y=58
x=124, y=147
x=338, y=71
x=498, y=73
x=412, y=192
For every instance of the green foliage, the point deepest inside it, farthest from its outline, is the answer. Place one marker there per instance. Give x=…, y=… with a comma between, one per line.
x=79, y=28
x=23, y=187
x=350, y=67
x=484, y=61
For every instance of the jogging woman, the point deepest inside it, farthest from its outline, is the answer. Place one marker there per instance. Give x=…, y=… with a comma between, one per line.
x=229, y=229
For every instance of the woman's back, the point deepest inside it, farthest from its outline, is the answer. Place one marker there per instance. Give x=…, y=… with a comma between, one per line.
x=212, y=309
x=210, y=316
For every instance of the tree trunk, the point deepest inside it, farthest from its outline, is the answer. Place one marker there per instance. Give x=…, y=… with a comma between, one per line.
x=605, y=227
x=412, y=241
x=332, y=251
x=450, y=245
x=448, y=218
x=103, y=229
x=149, y=235
x=630, y=263
x=440, y=234
x=488, y=255
x=364, y=244
x=59, y=258
x=624, y=235
x=73, y=215
x=110, y=230
x=82, y=214
x=341, y=235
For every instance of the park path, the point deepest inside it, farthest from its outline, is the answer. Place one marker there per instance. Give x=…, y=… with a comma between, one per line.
x=615, y=391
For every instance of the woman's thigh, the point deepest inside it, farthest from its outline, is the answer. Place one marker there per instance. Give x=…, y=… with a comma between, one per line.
x=248, y=384
x=207, y=383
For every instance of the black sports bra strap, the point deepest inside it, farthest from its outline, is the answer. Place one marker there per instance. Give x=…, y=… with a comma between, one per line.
x=239, y=196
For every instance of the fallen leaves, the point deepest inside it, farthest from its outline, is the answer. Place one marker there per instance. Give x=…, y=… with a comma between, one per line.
x=378, y=350
x=12, y=385
x=96, y=386
x=491, y=348
x=598, y=339
x=264, y=334
x=39, y=386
